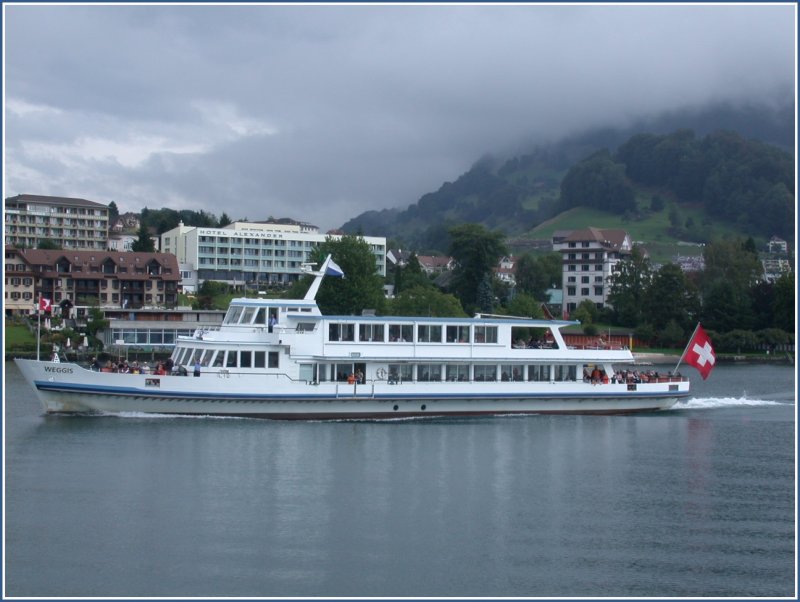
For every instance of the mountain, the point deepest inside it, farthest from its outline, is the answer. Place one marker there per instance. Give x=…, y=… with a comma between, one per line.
x=516, y=194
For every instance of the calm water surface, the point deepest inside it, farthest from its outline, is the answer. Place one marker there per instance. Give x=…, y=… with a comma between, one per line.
x=697, y=501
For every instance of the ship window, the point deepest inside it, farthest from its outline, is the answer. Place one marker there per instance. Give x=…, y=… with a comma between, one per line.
x=457, y=334
x=259, y=359
x=486, y=334
x=219, y=356
x=341, y=332
x=403, y=333
x=484, y=372
x=247, y=317
x=457, y=372
x=230, y=360
x=261, y=316
x=370, y=333
x=342, y=371
x=232, y=317
x=429, y=372
x=429, y=334
x=273, y=359
x=510, y=372
x=400, y=372
x=564, y=373
x=245, y=359
x=538, y=372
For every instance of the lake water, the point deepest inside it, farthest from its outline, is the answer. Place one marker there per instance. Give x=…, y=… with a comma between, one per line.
x=696, y=501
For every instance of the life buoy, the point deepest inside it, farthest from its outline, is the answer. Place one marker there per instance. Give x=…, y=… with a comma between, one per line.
x=381, y=373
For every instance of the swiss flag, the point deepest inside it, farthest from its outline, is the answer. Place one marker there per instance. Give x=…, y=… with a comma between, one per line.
x=44, y=304
x=699, y=352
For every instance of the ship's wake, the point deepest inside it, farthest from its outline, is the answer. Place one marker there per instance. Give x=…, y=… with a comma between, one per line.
x=708, y=403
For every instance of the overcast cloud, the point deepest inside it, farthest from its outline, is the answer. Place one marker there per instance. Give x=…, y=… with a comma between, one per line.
x=322, y=112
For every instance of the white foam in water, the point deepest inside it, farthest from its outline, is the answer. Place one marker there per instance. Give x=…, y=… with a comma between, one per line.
x=724, y=402
x=150, y=415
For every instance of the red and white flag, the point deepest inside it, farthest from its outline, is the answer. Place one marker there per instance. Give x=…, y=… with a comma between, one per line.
x=699, y=352
x=44, y=304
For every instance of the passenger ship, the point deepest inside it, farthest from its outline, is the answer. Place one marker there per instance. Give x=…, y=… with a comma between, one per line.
x=283, y=359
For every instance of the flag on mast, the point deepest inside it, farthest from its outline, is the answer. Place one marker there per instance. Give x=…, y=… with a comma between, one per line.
x=700, y=353
x=44, y=304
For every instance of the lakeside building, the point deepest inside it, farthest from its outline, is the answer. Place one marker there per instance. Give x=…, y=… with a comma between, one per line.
x=589, y=257
x=75, y=224
x=126, y=280
x=256, y=254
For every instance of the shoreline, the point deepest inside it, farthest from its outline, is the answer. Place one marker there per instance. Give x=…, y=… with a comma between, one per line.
x=645, y=358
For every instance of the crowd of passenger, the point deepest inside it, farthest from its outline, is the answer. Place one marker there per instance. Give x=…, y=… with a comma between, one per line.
x=122, y=366
x=598, y=376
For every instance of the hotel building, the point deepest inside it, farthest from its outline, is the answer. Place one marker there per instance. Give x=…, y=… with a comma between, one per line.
x=256, y=253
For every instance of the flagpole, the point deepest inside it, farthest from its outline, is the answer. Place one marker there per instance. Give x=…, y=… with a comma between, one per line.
x=38, y=325
x=691, y=338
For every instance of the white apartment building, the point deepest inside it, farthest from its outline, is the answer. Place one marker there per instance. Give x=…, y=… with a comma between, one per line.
x=75, y=224
x=590, y=258
x=256, y=253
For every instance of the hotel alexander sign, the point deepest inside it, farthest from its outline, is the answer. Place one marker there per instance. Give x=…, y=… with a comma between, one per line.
x=240, y=233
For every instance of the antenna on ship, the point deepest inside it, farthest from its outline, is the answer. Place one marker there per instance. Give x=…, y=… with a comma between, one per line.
x=329, y=268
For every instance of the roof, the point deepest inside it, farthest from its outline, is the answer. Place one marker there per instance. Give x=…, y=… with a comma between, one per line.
x=88, y=259
x=613, y=236
x=434, y=261
x=52, y=200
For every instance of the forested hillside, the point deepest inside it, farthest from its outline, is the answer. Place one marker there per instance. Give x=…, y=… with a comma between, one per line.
x=732, y=177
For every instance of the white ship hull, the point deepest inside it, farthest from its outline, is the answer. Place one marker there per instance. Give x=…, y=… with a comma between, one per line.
x=70, y=388
x=284, y=359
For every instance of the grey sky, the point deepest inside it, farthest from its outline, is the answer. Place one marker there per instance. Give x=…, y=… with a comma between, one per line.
x=322, y=112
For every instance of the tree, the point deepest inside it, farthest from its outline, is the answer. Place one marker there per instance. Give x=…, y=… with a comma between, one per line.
x=143, y=244
x=113, y=212
x=671, y=297
x=535, y=275
x=212, y=295
x=475, y=251
x=628, y=288
x=48, y=244
x=224, y=220
x=362, y=286
x=426, y=301
x=96, y=323
x=600, y=183
x=524, y=305
x=410, y=276
x=586, y=313
x=784, y=303
x=485, y=295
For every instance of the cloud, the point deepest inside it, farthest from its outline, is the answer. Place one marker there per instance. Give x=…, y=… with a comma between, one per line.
x=320, y=112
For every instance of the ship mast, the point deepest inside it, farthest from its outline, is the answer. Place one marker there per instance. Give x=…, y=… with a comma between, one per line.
x=329, y=268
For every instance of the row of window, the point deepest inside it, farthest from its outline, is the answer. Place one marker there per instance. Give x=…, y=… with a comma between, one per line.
x=146, y=336
x=598, y=291
x=404, y=333
x=251, y=252
x=226, y=358
x=456, y=372
x=16, y=295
